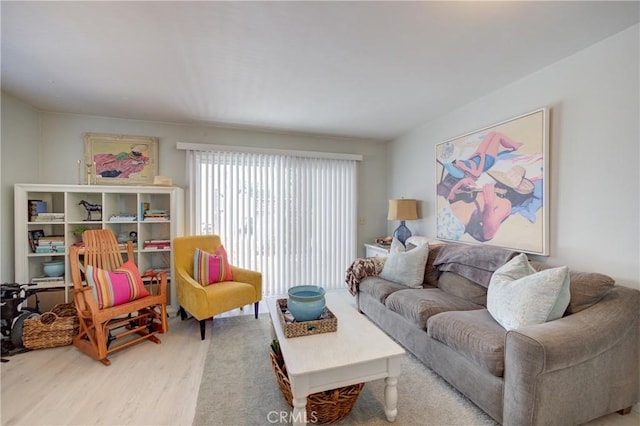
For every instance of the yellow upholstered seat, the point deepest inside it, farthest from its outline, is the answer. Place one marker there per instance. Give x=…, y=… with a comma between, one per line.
x=208, y=301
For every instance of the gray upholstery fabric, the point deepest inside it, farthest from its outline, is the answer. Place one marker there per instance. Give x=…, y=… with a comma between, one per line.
x=431, y=273
x=457, y=285
x=474, y=262
x=586, y=288
x=567, y=371
x=474, y=334
x=379, y=288
x=417, y=305
x=477, y=384
x=592, y=356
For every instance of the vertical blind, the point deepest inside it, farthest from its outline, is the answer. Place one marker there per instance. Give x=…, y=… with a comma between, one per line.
x=291, y=218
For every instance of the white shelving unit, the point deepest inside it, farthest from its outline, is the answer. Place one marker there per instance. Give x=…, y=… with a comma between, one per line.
x=114, y=200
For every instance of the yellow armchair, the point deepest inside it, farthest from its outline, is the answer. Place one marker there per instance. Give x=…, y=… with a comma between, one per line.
x=206, y=302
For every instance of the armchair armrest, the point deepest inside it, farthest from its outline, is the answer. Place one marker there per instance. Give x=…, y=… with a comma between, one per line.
x=250, y=277
x=593, y=353
x=191, y=295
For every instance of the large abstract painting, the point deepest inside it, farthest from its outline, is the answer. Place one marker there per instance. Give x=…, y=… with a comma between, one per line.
x=492, y=185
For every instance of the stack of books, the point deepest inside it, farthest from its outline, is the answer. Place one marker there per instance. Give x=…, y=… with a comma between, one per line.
x=49, y=217
x=123, y=217
x=48, y=281
x=50, y=244
x=157, y=244
x=155, y=214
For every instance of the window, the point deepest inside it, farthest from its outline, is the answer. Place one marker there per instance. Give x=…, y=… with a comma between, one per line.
x=291, y=217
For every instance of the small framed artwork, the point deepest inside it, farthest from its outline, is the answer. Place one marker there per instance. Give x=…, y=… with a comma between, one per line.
x=120, y=159
x=492, y=185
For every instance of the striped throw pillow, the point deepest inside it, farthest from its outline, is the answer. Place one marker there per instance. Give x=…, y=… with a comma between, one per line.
x=210, y=268
x=113, y=288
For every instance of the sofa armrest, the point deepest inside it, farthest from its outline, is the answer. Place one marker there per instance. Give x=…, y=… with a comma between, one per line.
x=593, y=353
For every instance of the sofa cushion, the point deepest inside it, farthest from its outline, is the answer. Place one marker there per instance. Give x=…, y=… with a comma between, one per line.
x=586, y=288
x=379, y=288
x=405, y=267
x=431, y=273
x=417, y=305
x=518, y=296
x=457, y=285
x=474, y=334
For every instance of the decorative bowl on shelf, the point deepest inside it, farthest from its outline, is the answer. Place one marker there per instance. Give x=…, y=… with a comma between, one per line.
x=306, y=302
x=55, y=268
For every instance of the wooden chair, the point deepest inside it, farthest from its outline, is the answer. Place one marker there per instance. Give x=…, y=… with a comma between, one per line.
x=135, y=321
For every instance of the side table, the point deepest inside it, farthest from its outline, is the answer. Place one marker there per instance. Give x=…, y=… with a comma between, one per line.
x=373, y=250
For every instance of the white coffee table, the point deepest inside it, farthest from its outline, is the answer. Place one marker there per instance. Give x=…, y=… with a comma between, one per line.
x=357, y=352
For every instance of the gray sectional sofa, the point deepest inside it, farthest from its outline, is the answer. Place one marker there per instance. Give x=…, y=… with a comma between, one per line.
x=563, y=372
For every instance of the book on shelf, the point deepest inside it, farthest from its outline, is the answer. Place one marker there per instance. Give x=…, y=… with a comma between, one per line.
x=51, y=239
x=156, y=214
x=50, y=249
x=48, y=282
x=45, y=279
x=36, y=207
x=144, y=206
x=49, y=217
x=40, y=243
x=50, y=244
x=123, y=217
x=156, y=246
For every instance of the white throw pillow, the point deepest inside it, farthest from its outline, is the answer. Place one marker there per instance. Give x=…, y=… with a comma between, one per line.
x=519, y=296
x=405, y=267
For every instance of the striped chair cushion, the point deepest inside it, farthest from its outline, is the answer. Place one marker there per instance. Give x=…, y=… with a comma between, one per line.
x=113, y=288
x=210, y=268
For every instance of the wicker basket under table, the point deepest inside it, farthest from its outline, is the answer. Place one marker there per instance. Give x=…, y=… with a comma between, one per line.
x=54, y=328
x=325, y=407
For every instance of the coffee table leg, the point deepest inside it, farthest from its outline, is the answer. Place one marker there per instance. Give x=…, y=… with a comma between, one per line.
x=391, y=398
x=300, y=391
x=299, y=411
x=391, y=389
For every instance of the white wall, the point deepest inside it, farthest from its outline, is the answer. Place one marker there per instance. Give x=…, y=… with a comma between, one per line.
x=20, y=159
x=593, y=98
x=61, y=145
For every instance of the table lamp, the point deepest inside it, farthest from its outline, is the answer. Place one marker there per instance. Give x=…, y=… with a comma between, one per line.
x=402, y=210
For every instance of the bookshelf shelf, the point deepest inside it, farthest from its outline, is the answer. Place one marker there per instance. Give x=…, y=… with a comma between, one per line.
x=33, y=199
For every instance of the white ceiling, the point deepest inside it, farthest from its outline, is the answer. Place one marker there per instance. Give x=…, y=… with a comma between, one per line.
x=363, y=69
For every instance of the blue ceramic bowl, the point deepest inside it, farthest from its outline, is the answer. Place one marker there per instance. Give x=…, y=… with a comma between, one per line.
x=306, y=302
x=55, y=268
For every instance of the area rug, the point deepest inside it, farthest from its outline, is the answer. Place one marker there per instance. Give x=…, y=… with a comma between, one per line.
x=239, y=387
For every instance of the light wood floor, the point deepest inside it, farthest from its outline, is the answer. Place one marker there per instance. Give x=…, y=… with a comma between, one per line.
x=147, y=384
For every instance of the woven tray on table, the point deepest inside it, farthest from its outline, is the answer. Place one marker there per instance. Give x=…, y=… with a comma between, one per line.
x=327, y=323
x=54, y=328
x=325, y=407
